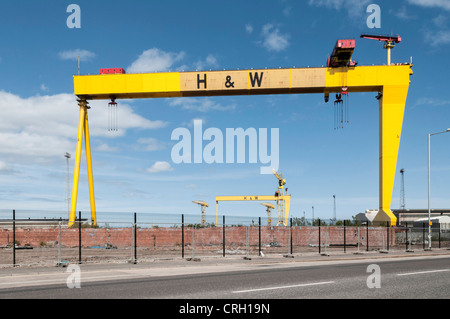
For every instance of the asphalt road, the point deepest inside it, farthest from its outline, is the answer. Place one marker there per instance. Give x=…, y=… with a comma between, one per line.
x=394, y=278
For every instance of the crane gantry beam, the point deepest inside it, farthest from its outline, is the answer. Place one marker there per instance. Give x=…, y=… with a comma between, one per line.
x=391, y=82
x=286, y=199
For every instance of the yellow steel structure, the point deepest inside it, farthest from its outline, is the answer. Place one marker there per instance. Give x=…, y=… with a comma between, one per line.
x=203, y=206
x=281, y=183
x=390, y=81
x=286, y=199
x=269, y=208
x=83, y=127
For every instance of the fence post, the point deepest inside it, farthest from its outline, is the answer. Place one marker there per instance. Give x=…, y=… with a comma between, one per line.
x=406, y=238
x=135, y=238
x=290, y=233
x=193, y=241
x=14, y=238
x=345, y=246
x=182, y=235
x=259, y=237
x=223, y=236
x=79, y=237
x=367, y=236
x=423, y=236
x=439, y=238
x=59, y=241
x=319, y=233
x=387, y=234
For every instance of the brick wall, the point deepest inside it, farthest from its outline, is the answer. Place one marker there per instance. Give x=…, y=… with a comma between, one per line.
x=171, y=237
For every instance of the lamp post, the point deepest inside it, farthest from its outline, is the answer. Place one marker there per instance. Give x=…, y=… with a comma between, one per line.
x=429, y=185
x=334, y=208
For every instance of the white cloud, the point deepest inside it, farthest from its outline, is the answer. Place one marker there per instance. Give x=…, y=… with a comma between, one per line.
x=43, y=128
x=249, y=28
x=355, y=8
x=149, y=144
x=440, y=21
x=160, y=167
x=273, y=40
x=44, y=87
x=443, y=4
x=209, y=62
x=84, y=55
x=436, y=38
x=5, y=168
x=431, y=101
x=402, y=13
x=287, y=11
x=106, y=148
x=155, y=60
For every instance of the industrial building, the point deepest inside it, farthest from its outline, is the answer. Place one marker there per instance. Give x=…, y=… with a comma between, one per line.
x=409, y=217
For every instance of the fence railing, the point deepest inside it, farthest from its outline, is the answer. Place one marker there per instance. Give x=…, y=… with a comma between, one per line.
x=50, y=242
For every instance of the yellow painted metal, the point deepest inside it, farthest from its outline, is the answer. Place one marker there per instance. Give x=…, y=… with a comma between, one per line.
x=83, y=127
x=392, y=107
x=389, y=46
x=243, y=82
x=127, y=85
x=203, y=206
x=89, y=169
x=269, y=208
x=76, y=174
x=392, y=81
x=286, y=199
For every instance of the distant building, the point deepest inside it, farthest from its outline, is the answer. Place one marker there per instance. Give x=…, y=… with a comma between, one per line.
x=368, y=216
x=408, y=216
x=405, y=217
x=439, y=222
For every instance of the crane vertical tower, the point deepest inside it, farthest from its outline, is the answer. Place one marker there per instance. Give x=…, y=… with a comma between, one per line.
x=269, y=208
x=203, y=206
x=280, y=193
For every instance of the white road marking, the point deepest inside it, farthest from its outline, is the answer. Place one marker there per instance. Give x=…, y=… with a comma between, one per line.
x=285, y=287
x=422, y=272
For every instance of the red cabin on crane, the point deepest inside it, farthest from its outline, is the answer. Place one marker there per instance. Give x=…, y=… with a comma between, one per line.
x=342, y=54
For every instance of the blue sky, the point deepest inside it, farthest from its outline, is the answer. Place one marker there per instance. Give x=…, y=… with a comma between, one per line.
x=133, y=170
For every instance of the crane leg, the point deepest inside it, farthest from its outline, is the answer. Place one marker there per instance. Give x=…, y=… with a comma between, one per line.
x=89, y=169
x=391, y=110
x=76, y=174
x=217, y=214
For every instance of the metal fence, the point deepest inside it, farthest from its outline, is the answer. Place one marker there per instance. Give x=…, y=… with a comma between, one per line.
x=49, y=241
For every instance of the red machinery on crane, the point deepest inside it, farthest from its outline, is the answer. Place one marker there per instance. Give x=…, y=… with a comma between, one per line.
x=342, y=54
x=341, y=57
x=388, y=40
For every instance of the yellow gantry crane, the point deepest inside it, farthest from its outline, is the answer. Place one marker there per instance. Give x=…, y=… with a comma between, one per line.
x=280, y=193
x=283, y=201
x=391, y=82
x=269, y=208
x=203, y=206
